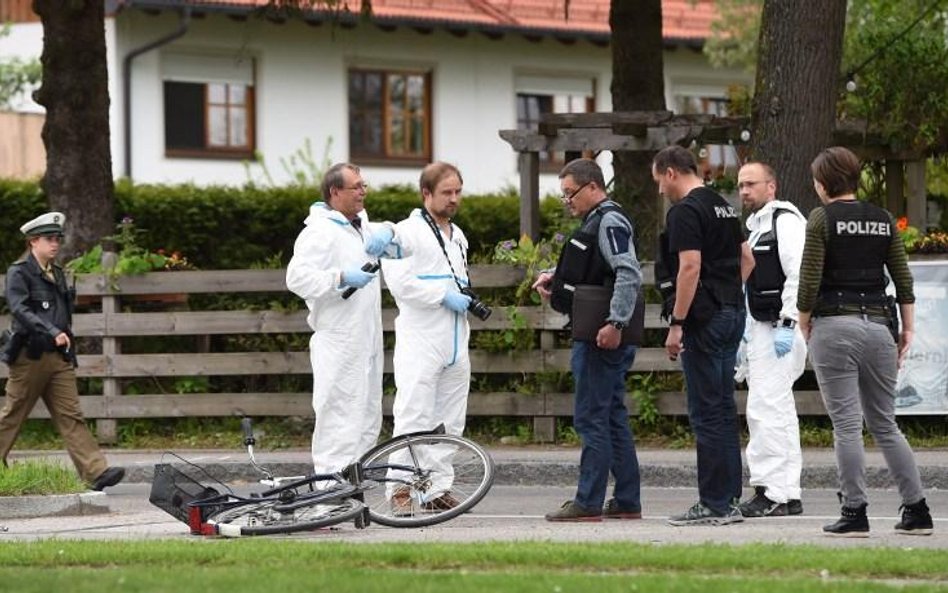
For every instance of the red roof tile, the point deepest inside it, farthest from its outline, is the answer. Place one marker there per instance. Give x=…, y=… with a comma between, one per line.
x=682, y=19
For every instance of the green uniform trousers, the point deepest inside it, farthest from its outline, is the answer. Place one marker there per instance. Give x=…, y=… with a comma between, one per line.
x=54, y=380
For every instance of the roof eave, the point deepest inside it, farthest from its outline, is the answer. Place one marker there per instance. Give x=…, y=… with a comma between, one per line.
x=351, y=19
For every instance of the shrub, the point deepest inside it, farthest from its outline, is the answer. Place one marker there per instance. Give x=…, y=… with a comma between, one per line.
x=222, y=227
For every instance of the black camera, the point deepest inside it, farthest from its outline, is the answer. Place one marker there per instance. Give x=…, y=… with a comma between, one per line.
x=477, y=306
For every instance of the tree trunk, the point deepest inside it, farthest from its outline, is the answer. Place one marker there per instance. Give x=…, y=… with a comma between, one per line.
x=638, y=84
x=798, y=72
x=75, y=93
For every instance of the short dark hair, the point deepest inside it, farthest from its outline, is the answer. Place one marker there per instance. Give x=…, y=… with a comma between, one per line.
x=768, y=170
x=584, y=171
x=434, y=172
x=677, y=158
x=334, y=178
x=837, y=169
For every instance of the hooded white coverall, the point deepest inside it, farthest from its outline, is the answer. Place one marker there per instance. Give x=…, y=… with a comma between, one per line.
x=432, y=368
x=773, y=451
x=346, y=345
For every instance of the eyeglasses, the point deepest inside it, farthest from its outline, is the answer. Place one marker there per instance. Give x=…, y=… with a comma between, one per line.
x=750, y=184
x=358, y=187
x=568, y=197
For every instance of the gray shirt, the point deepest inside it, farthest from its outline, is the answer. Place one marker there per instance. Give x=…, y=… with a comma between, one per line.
x=618, y=251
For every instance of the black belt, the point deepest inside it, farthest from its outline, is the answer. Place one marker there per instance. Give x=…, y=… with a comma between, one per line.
x=881, y=319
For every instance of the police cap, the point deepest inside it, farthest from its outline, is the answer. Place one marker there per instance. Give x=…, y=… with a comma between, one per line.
x=50, y=223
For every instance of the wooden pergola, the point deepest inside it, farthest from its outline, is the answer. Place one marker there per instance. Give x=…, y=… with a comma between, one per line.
x=651, y=131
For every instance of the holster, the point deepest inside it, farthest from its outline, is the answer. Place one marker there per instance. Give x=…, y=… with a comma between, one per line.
x=36, y=345
x=10, y=346
x=892, y=310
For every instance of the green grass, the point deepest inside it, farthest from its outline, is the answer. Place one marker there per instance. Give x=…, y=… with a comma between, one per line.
x=289, y=566
x=28, y=477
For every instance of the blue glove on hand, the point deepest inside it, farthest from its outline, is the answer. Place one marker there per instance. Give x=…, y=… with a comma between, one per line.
x=355, y=277
x=783, y=341
x=741, y=366
x=456, y=301
x=375, y=245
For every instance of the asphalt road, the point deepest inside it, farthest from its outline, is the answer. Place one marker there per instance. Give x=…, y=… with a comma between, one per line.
x=515, y=513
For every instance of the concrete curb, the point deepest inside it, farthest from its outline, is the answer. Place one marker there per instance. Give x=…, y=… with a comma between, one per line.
x=55, y=505
x=550, y=473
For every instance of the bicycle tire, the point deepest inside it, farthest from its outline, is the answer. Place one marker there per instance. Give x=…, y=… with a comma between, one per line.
x=262, y=518
x=472, y=476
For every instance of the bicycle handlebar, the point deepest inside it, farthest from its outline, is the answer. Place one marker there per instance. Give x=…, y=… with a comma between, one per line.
x=247, y=426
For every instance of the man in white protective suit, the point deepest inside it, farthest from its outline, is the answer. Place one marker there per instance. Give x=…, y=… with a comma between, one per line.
x=432, y=368
x=775, y=348
x=331, y=270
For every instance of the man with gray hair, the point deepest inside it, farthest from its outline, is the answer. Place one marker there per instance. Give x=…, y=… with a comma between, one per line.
x=331, y=271
x=599, y=258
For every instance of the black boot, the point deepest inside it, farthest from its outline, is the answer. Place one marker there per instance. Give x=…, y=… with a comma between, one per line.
x=852, y=523
x=916, y=520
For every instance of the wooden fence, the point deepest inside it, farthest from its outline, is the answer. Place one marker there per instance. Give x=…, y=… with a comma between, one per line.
x=113, y=325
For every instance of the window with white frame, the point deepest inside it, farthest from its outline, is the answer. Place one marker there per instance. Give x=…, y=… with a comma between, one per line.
x=389, y=116
x=539, y=95
x=208, y=106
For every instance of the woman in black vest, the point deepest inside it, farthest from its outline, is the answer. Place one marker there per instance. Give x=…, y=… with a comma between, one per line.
x=855, y=348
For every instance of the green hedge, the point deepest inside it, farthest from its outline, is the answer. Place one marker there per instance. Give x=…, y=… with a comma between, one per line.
x=220, y=227
x=19, y=201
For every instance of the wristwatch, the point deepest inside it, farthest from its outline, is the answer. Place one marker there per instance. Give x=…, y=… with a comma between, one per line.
x=617, y=324
x=788, y=323
x=675, y=321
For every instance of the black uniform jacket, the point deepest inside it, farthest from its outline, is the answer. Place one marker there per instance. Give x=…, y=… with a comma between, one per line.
x=41, y=308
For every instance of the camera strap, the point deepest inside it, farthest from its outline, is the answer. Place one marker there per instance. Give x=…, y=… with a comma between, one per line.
x=437, y=233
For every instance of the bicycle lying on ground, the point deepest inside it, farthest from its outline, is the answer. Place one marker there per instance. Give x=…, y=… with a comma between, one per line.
x=412, y=480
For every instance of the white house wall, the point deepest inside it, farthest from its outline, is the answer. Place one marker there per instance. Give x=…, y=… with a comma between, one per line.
x=301, y=92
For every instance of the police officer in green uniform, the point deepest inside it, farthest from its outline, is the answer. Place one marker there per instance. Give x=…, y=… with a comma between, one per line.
x=854, y=341
x=40, y=352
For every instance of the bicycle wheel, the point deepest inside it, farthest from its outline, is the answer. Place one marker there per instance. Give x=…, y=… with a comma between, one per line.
x=425, y=479
x=273, y=516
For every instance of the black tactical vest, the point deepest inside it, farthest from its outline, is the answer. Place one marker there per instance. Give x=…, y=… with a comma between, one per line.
x=581, y=261
x=719, y=282
x=765, y=284
x=856, y=251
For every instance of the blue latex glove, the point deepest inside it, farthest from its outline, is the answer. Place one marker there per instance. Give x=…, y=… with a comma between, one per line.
x=741, y=366
x=783, y=341
x=375, y=245
x=456, y=301
x=355, y=277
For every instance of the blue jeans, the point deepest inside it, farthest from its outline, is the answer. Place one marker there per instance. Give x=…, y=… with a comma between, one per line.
x=708, y=362
x=602, y=421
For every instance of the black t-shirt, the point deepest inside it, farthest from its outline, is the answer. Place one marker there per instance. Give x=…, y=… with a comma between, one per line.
x=705, y=222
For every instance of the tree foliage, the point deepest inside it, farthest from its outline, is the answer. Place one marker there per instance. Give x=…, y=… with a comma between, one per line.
x=734, y=32
x=16, y=75
x=900, y=91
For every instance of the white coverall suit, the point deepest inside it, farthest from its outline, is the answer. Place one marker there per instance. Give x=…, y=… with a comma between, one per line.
x=773, y=451
x=432, y=368
x=346, y=345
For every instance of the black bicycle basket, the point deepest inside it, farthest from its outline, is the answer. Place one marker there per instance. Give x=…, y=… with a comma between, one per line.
x=172, y=490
